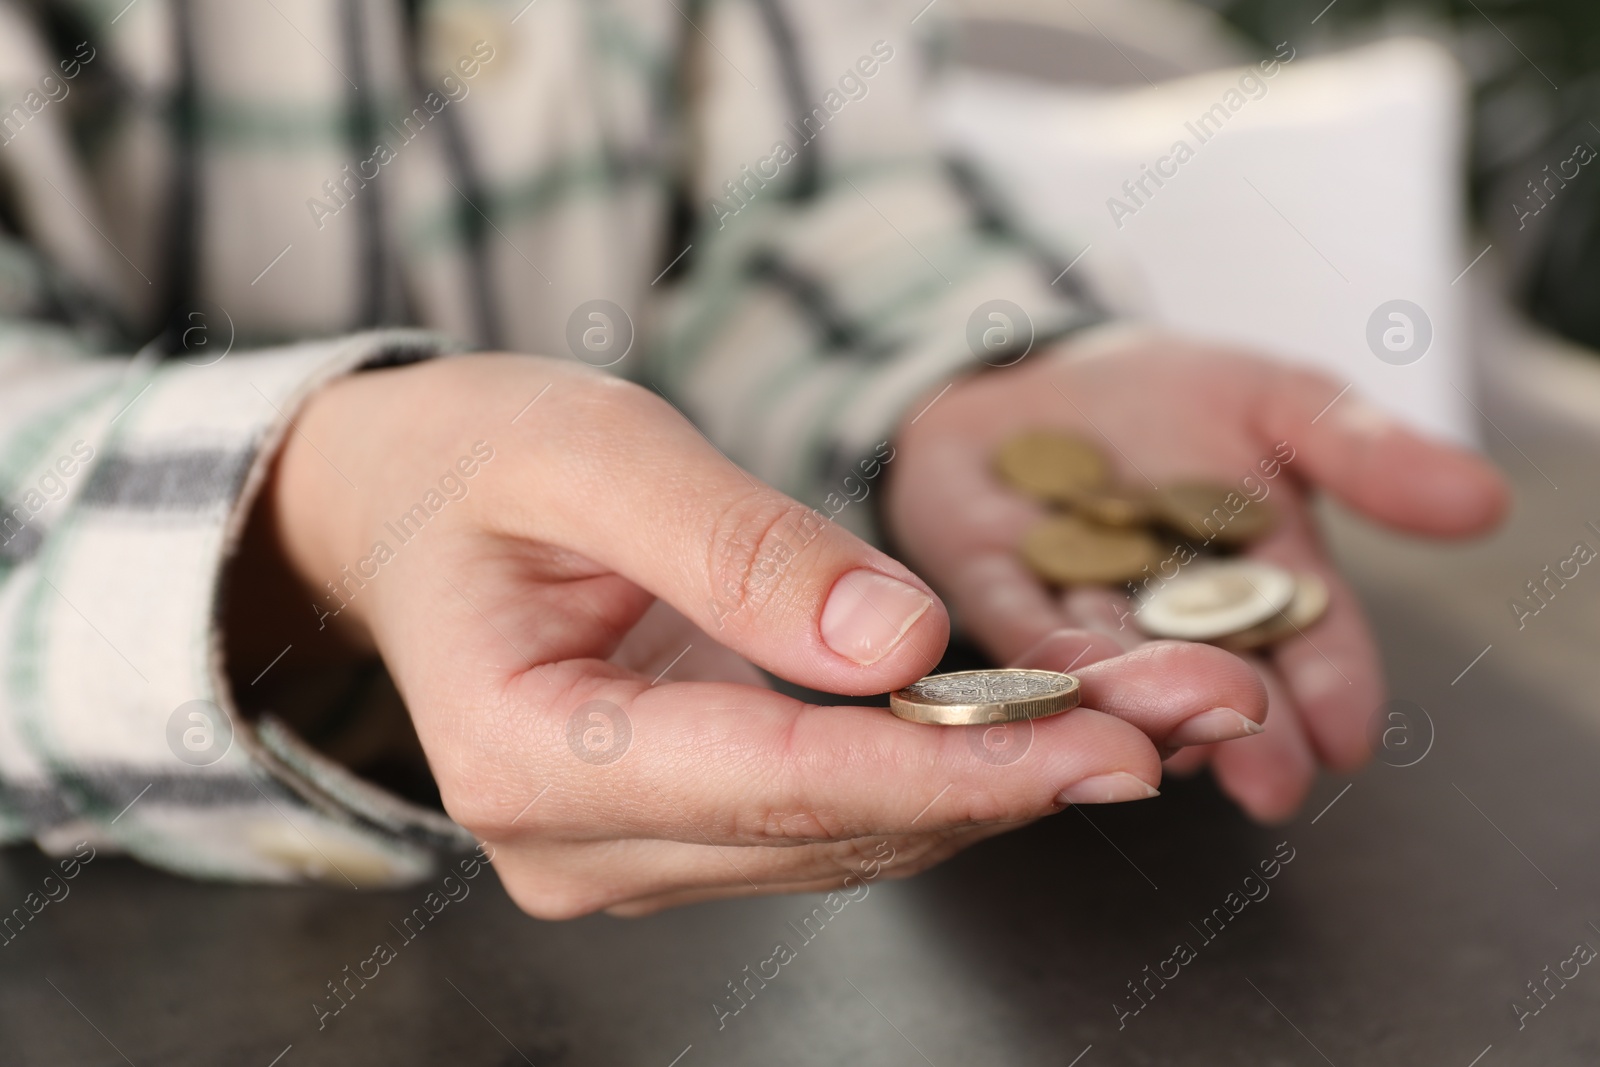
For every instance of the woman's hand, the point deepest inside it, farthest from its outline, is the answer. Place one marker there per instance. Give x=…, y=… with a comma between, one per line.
x=604, y=771
x=1160, y=410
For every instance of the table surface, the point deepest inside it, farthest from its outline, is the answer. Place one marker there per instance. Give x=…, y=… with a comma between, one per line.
x=1419, y=902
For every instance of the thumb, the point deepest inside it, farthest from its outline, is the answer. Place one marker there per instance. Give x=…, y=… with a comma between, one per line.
x=1344, y=444
x=642, y=492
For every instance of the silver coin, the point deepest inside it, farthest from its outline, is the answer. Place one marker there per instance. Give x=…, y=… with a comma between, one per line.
x=965, y=698
x=1310, y=602
x=1213, y=599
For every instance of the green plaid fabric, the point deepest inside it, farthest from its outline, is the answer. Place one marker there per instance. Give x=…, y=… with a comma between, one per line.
x=209, y=208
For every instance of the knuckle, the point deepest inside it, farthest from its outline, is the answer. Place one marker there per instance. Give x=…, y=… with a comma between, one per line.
x=990, y=807
x=788, y=813
x=790, y=825
x=754, y=541
x=475, y=810
x=607, y=392
x=912, y=856
x=505, y=817
x=597, y=414
x=855, y=855
x=487, y=810
x=626, y=405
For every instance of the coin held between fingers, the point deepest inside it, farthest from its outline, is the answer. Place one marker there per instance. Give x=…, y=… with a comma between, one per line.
x=981, y=698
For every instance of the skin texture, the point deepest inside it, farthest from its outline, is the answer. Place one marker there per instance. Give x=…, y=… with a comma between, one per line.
x=603, y=537
x=1163, y=409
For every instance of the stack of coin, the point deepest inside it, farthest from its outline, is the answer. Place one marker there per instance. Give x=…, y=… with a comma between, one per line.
x=1103, y=533
x=1240, y=604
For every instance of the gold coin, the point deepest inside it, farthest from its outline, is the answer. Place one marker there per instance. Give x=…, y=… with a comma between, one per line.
x=969, y=698
x=1069, y=550
x=1115, y=506
x=1200, y=510
x=1048, y=466
x=1309, y=604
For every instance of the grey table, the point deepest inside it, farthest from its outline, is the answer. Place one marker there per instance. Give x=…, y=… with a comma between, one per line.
x=1419, y=902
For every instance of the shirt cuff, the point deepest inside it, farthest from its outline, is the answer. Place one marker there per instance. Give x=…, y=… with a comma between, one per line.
x=118, y=723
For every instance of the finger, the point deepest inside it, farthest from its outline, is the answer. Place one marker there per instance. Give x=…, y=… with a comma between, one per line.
x=1373, y=463
x=723, y=764
x=1331, y=669
x=641, y=907
x=1169, y=689
x=956, y=521
x=565, y=879
x=640, y=491
x=665, y=646
x=1186, y=762
x=728, y=764
x=853, y=887
x=1066, y=650
x=1269, y=775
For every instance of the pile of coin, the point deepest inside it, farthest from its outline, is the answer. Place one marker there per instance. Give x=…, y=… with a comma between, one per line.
x=1170, y=542
x=1173, y=548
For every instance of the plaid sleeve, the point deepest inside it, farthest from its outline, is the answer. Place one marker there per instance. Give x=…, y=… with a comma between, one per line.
x=841, y=269
x=125, y=487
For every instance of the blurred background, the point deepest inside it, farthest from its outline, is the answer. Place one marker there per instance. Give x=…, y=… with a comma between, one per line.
x=1434, y=152
x=1535, y=83
x=1434, y=155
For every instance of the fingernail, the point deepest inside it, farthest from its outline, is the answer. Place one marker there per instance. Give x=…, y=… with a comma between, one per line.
x=868, y=613
x=1107, y=789
x=1209, y=727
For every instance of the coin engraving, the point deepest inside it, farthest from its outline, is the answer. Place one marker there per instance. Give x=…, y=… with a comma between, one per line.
x=986, y=687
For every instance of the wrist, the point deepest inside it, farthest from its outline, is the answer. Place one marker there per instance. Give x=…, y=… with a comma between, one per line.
x=310, y=514
x=364, y=451
x=269, y=606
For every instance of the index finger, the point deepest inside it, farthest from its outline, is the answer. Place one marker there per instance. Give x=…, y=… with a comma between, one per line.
x=727, y=764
